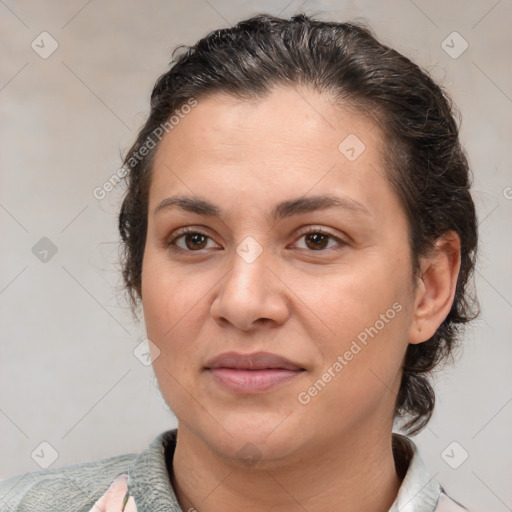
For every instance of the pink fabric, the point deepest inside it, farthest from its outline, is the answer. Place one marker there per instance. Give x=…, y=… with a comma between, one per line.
x=113, y=499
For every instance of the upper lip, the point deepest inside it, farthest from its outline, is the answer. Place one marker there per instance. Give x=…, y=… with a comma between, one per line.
x=255, y=361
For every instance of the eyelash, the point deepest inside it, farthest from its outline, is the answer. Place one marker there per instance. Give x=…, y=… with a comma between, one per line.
x=181, y=233
x=314, y=230
x=188, y=230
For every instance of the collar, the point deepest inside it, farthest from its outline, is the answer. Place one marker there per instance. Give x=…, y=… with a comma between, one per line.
x=152, y=490
x=150, y=485
x=419, y=491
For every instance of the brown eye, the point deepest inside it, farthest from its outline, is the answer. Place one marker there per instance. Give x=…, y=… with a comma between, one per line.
x=189, y=240
x=317, y=241
x=195, y=241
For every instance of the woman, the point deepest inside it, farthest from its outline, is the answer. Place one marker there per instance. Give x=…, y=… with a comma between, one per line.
x=299, y=230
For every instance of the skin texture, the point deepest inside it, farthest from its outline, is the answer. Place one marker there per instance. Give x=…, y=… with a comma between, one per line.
x=306, y=304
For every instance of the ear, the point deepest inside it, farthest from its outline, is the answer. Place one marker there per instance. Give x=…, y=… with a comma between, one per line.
x=436, y=287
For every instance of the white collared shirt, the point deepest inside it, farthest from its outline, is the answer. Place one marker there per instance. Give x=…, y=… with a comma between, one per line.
x=419, y=491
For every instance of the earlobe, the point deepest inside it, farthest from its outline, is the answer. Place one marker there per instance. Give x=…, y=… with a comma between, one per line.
x=436, y=287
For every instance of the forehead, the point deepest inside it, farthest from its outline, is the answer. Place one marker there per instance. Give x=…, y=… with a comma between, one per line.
x=287, y=143
x=301, y=119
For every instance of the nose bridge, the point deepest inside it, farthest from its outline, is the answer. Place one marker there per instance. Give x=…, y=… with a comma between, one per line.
x=247, y=278
x=249, y=291
x=249, y=262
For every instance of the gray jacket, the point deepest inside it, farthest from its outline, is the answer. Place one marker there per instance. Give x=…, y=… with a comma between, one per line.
x=79, y=486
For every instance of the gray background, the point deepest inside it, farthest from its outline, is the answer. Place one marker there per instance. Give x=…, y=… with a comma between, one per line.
x=68, y=375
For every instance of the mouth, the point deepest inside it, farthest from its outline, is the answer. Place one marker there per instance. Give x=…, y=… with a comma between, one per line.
x=252, y=373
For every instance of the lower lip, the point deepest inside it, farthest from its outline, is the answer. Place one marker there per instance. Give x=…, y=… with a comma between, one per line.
x=252, y=381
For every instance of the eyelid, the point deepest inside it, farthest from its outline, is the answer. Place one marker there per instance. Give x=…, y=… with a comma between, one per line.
x=185, y=231
x=323, y=231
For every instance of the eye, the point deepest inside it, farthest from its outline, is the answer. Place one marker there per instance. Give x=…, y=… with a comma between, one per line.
x=191, y=240
x=319, y=240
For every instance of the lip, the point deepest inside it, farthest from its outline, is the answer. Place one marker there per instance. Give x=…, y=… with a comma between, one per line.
x=252, y=373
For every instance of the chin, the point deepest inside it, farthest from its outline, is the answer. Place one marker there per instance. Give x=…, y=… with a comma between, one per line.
x=248, y=449
x=252, y=438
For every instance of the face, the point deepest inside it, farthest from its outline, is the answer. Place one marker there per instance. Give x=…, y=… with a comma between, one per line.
x=271, y=229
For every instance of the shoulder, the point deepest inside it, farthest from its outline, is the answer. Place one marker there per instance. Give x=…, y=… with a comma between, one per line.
x=75, y=487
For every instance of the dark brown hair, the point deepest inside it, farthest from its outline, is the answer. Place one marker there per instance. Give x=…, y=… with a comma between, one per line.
x=425, y=163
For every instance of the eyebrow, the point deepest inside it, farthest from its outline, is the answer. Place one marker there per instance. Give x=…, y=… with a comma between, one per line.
x=280, y=211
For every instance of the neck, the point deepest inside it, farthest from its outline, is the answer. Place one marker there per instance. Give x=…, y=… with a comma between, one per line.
x=358, y=473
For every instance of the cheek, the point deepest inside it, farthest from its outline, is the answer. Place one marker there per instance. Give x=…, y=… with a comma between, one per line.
x=170, y=314
x=361, y=372
x=175, y=304
x=345, y=299
x=172, y=308
x=166, y=296
x=365, y=313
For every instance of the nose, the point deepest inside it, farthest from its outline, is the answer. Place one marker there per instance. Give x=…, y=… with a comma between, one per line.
x=250, y=294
